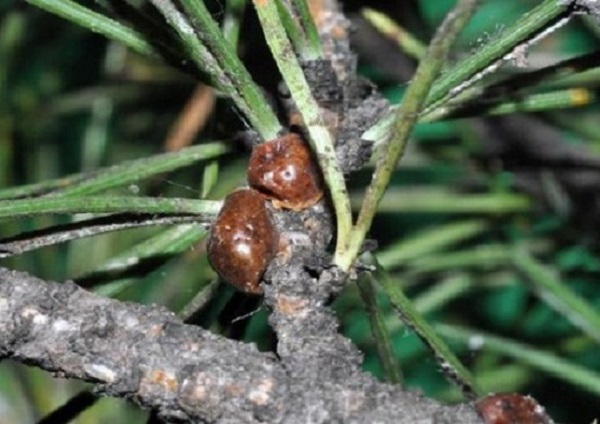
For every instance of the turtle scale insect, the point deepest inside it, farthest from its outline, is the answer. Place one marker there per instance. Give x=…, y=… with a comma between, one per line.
x=283, y=170
x=511, y=408
x=243, y=240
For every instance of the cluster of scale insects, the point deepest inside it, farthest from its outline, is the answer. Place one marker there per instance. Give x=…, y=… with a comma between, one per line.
x=244, y=239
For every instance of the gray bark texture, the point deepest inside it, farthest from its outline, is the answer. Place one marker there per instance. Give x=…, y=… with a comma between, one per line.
x=147, y=355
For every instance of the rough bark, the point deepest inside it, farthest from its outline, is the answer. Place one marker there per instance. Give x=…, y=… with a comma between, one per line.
x=146, y=354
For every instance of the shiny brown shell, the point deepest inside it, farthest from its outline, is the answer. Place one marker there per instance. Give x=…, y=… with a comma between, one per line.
x=284, y=171
x=243, y=240
x=511, y=408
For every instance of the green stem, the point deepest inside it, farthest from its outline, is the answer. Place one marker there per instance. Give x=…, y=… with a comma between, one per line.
x=545, y=78
x=321, y=139
x=199, y=301
x=581, y=378
x=36, y=189
x=104, y=204
x=557, y=295
x=534, y=25
x=297, y=38
x=169, y=242
x=432, y=200
x=429, y=68
x=459, y=107
x=589, y=77
x=119, y=175
x=428, y=241
x=249, y=97
x=313, y=41
x=452, y=367
x=383, y=343
x=234, y=13
x=562, y=99
x=518, y=86
x=382, y=23
x=96, y=22
x=136, y=170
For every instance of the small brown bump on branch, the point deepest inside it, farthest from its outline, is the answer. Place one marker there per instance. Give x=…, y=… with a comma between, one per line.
x=243, y=240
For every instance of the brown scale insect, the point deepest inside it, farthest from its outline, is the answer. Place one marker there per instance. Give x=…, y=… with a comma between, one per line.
x=511, y=408
x=243, y=240
x=284, y=171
